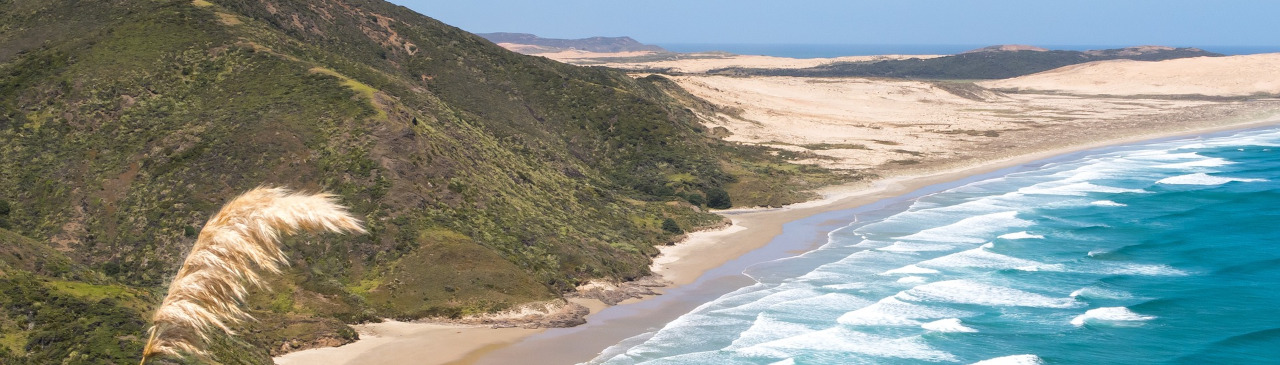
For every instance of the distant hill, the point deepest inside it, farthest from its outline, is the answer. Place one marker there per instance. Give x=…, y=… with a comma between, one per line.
x=549, y=45
x=1007, y=48
x=995, y=62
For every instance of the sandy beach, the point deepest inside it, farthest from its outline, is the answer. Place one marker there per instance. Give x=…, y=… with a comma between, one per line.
x=394, y=342
x=910, y=134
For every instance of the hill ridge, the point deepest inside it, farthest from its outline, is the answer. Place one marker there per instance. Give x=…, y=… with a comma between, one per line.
x=589, y=44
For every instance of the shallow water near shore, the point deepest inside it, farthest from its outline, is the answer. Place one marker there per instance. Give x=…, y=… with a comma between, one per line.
x=1162, y=252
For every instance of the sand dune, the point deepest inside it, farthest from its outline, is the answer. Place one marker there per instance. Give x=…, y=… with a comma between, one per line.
x=1214, y=76
x=393, y=342
x=690, y=62
x=884, y=125
x=710, y=61
x=698, y=62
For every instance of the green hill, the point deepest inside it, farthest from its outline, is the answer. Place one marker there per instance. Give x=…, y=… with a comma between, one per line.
x=985, y=63
x=486, y=178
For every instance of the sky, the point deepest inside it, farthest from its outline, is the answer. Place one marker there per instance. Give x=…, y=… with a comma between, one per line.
x=923, y=22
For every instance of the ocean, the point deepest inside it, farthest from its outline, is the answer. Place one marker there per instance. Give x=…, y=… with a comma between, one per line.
x=838, y=50
x=1166, y=252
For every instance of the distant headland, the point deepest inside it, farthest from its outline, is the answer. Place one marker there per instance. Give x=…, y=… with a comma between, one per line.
x=532, y=44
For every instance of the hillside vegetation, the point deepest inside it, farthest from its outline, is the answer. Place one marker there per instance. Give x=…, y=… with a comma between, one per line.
x=486, y=178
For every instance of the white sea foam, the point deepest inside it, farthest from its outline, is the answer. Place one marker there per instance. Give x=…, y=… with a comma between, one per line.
x=766, y=329
x=1208, y=162
x=913, y=279
x=1141, y=269
x=978, y=257
x=910, y=269
x=974, y=229
x=1012, y=360
x=1109, y=314
x=1074, y=189
x=848, y=341
x=1094, y=292
x=825, y=276
x=893, y=312
x=947, y=325
x=820, y=309
x=1019, y=236
x=753, y=303
x=901, y=246
x=1084, y=173
x=1047, y=267
x=972, y=292
x=1108, y=203
x=848, y=286
x=1164, y=156
x=1201, y=178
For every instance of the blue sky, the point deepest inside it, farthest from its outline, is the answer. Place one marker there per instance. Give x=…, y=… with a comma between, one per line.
x=933, y=22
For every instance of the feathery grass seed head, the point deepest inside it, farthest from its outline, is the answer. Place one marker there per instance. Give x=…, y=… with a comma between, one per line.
x=233, y=247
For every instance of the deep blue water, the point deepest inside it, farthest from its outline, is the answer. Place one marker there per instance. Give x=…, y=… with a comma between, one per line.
x=1161, y=253
x=837, y=50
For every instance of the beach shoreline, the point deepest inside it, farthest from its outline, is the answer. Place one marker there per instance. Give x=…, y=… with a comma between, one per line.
x=684, y=264
x=756, y=229
x=750, y=227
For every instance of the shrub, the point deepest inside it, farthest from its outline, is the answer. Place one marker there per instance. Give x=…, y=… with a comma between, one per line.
x=670, y=225
x=718, y=199
x=696, y=199
x=4, y=214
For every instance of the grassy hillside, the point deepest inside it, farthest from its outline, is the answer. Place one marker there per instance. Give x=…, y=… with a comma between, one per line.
x=53, y=310
x=975, y=65
x=486, y=178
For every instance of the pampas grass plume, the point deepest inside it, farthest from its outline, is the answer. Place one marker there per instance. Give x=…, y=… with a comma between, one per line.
x=233, y=250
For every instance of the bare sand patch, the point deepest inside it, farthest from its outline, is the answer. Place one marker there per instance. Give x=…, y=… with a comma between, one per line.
x=394, y=342
x=698, y=62
x=885, y=125
x=1215, y=76
x=701, y=63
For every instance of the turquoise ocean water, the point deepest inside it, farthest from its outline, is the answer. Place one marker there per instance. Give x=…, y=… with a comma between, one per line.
x=1160, y=253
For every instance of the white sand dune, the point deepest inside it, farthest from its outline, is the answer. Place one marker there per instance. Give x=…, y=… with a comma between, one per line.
x=888, y=124
x=709, y=62
x=1215, y=76
x=688, y=62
